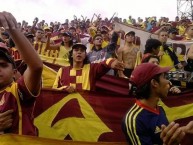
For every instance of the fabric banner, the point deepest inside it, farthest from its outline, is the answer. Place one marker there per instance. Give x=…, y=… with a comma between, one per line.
x=92, y=116
x=97, y=116
x=54, y=60
x=80, y=116
x=181, y=48
x=10, y=139
x=50, y=55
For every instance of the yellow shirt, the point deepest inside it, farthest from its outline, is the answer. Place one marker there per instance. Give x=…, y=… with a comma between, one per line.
x=40, y=47
x=165, y=59
x=63, y=53
x=182, y=30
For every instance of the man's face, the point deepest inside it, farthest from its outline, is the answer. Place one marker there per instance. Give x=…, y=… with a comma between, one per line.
x=39, y=34
x=65, y=26
x=156, y=50
x=7, y=73
x=4, y=36
x=129, y=38
x=190, y=31
x=66, y=38
x=78, y=54
x=73, y=32
x=163, y=86
x=98, y=41
x=172, y=36
x=105, y=36
x=163, y=36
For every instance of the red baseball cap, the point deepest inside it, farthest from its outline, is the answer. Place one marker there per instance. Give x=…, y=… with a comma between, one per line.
x=144, y=72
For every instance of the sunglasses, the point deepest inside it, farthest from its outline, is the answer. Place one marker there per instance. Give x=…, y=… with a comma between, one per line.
x=98, y=39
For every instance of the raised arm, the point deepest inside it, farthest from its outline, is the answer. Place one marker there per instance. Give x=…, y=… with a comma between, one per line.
x=34, y=25
x=49, y=46
x=32, y=75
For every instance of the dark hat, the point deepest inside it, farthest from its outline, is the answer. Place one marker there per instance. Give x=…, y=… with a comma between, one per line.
x=29, y=35
x=144, y=72
x=173, y=31
x=4, y=53
x=130, y=33
x=79, y=45
x=67, y=34
x=5, y=33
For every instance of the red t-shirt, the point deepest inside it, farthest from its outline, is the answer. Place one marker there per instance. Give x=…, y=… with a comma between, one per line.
x=17, y=97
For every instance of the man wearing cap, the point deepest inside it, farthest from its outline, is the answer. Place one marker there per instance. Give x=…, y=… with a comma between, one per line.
x=17, y=98
x=128, y=54
x=142, y=123
x=81, y=75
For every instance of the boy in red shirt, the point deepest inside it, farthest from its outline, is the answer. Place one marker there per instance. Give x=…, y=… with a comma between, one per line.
x=17, y=98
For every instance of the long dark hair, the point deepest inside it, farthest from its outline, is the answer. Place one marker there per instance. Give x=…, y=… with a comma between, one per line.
x=70, y=43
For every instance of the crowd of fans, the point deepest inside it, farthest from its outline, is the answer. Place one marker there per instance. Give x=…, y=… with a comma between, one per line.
x=85, y=31
x=92, y=47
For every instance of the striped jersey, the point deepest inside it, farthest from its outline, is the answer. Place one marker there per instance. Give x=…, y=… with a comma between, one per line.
x=142, y=124
x=83, y=78
x=17, y=97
